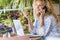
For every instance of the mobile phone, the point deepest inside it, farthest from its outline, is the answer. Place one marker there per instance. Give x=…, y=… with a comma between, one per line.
x=46, y=9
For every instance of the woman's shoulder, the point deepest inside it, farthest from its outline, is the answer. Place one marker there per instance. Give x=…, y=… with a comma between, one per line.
x=51, y=17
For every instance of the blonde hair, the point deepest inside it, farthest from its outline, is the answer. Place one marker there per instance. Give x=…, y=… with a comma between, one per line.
x=34, y=11
x=49, y=5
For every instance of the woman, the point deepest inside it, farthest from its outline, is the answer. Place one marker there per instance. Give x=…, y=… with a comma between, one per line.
x=45, y=20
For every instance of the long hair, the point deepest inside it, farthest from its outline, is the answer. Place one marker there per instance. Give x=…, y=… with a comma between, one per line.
x=49, y=5
x=34, y=10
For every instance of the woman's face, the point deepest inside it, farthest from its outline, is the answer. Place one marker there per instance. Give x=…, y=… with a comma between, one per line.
x=39, y=6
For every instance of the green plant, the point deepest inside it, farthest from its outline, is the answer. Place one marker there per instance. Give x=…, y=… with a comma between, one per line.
x=56, y=1
x=20, y=4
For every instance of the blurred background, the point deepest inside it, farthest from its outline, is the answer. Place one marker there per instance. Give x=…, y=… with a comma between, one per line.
x=12, y=9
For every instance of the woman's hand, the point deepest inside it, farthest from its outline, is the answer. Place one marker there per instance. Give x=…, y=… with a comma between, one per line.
x=26, y=15
x=42, y=13
x=29, y=21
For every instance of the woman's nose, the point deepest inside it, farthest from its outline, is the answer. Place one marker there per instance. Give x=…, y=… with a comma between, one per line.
x=39, y=8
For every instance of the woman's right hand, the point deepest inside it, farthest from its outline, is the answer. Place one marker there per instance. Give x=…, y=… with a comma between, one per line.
x=26, y=15
x=29, y=21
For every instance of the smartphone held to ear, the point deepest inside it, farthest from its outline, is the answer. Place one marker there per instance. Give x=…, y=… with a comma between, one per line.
x=46, y=9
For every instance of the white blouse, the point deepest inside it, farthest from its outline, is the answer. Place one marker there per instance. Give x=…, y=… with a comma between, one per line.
x=50, y=27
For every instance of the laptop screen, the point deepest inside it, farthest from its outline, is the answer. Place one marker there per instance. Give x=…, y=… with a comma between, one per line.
x=18, y=27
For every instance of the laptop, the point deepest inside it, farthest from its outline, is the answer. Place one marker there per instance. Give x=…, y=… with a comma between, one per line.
x=18, y=27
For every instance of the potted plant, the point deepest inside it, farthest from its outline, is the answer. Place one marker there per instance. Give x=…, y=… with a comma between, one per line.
x=4, y=30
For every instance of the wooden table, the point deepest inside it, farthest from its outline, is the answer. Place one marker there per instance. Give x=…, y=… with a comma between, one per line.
x=15, y=38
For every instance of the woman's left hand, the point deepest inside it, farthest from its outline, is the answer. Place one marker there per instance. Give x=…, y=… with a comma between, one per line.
x=42, y=13
x=42, y=18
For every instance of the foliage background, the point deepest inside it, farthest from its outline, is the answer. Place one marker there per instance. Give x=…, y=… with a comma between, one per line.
x=18, y=4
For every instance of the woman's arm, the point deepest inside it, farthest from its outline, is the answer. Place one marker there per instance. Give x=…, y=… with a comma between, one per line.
x=30, y=24
x=41, y=21
x=29, y=21
x=42, y=15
